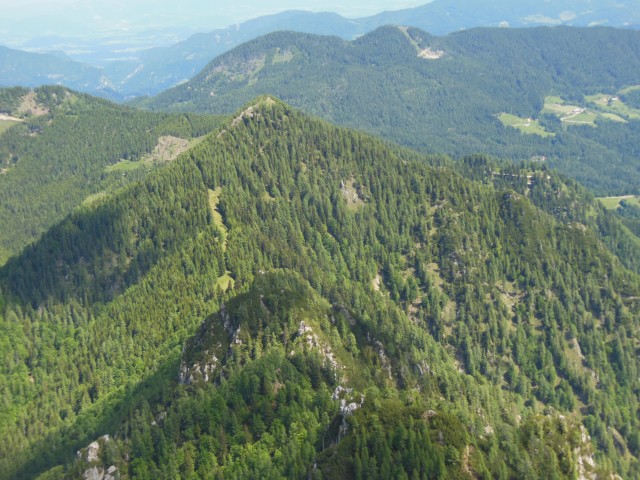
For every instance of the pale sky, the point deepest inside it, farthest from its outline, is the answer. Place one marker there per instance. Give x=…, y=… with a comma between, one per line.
x=22, y=21
x=228, y=12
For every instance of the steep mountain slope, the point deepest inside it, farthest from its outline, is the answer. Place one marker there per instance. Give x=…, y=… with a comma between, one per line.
x=351, y=310
x=59, y=148
x=447, y=94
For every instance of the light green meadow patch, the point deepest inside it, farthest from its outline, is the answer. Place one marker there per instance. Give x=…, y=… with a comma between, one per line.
x=96, y=197
x=635, y=201
x=612, y=203
x=585, y=117
x=6, y=124
x=613, y=117
x=611, y=104
x=224, y=282
x=599, y=99
x=630, y=89
x=166, y=150
x=509, y=120
x=571, y=114
x=282, y=56
x=4, y=256
x=124, y=166
x=559, y=109
x=624, y=110
x=528, y=126
x=553, y=99
x=214, y=198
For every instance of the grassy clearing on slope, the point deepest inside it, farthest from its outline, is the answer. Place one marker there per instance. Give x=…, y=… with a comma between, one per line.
x=214, y=198
x=6, y=124
x=166, y=150
x=613, y=203
x=91, y=199
x=583, y=117
x=614, y=117
x=525, y=125
x=557, y=106
x=611, y=104
x=224, y=282
x=571, y=114
x=124, y=166
x=601, y=106
x=630, y=89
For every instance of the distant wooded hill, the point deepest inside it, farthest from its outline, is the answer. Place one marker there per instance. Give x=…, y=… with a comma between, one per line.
x=27, y=69
x=567, y=96
x=153, y=70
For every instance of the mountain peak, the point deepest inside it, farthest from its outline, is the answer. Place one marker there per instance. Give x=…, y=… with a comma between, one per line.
x=249, y=112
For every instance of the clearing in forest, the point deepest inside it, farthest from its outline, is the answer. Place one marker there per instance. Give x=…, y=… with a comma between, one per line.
x=424, y=53
x=214, y=199
x=612, y=203
x=612, y=105
x=30, y=106
x=600, y=106
x=166, y=150
x=350, y=193
x=528, y=126
x=572, y=114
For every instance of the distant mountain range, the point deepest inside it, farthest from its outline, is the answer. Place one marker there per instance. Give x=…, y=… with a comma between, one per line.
x=564, y=95
x=26, y=69
x=149, y=71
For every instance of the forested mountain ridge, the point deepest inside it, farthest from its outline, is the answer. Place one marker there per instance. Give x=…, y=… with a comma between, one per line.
x=130, y=72
x=164, y=67
x=358, y=313
x=459, y=94
x=60, y=148
x=445, y=16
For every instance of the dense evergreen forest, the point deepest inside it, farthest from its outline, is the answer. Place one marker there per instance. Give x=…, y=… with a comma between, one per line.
x=64, y=148
x=290, y=299
x=448, y=94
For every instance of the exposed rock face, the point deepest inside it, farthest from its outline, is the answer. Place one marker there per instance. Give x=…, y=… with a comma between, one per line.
x=207, y=362
x=312, y=341
x=91, y=453
x=384, y=360
x=95, y=470
x=203, y=371
x=348, y=405
x=93, y=473
x=586, y=463
x=96, y=473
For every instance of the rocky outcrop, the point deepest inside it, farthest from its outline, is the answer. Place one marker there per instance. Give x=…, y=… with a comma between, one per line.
x=311, y=341
x=203, y=356
x=349, y=403
x=92, y=463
